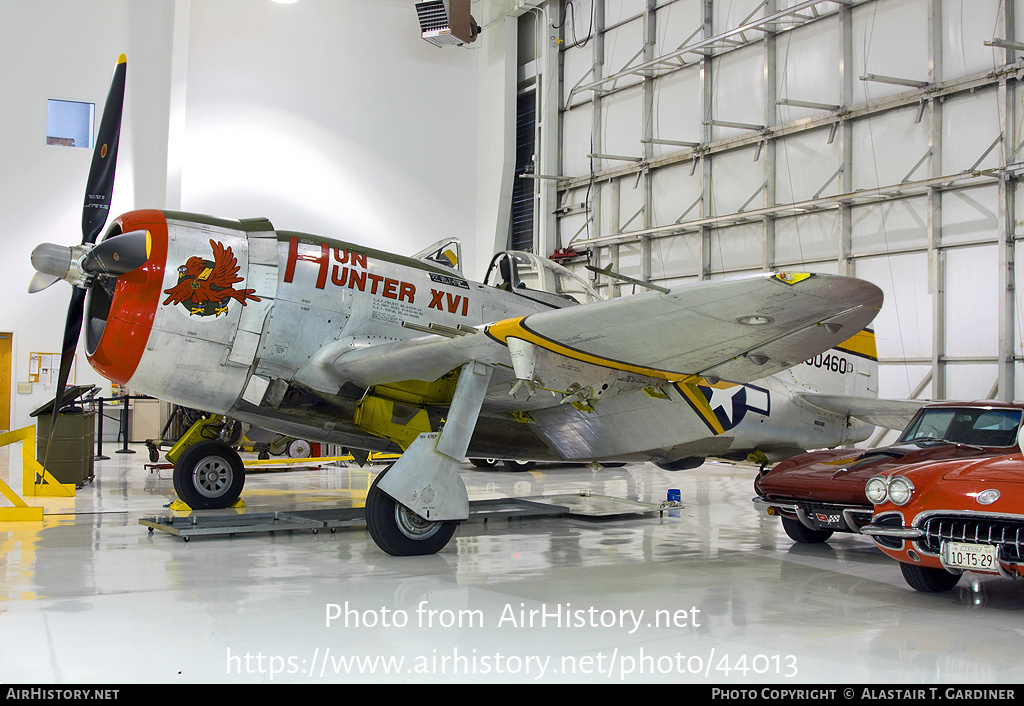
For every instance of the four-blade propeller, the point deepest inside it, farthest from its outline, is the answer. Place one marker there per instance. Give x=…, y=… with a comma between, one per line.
x=81, y=264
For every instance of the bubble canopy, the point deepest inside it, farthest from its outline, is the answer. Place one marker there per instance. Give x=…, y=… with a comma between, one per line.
x=538, y=278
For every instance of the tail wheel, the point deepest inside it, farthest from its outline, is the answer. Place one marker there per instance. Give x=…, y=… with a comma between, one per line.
x=398, y=530
x=520, y=466
x=299, y=448
x=927, y=579
x=209, y=475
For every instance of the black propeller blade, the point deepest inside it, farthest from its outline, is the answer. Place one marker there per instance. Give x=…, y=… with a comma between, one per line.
x=98, y=191
x=104, y=158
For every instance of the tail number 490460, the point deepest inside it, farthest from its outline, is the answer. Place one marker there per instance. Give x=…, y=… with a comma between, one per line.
x=833, y=362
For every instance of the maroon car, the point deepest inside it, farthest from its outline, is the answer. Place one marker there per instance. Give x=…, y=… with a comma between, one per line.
x=822, y=492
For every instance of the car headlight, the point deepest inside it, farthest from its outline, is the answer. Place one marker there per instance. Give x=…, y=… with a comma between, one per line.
x=900, y=490
x=876, y=489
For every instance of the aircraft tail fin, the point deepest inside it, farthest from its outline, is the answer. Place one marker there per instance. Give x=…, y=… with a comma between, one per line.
x=890, y=414
x=850, y=368
x=446, y=252
x=844, y=380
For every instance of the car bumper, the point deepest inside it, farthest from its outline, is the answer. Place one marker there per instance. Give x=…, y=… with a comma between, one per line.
x=819, y=516
x=894, y=532
x=922, y=544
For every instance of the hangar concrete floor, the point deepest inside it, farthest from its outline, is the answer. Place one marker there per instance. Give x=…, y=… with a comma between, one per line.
x=711, y=592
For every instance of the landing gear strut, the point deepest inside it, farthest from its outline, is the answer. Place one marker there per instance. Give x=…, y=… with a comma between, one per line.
x=415, y=505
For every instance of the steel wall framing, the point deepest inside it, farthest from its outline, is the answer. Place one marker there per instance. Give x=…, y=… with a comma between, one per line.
x=723, y=176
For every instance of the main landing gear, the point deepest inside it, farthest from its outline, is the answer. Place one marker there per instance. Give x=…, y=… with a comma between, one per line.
x=414, y=506
x=398, y=530
x=209, y=475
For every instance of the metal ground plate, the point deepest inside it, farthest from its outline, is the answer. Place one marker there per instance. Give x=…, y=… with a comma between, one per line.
x=227, y=523
x=586, y=505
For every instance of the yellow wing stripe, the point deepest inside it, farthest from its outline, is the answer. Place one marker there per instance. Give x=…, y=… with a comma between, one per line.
x=514, y=328
x=699, y=404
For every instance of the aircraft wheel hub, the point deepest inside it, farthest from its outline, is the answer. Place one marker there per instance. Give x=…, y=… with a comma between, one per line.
x=412, y=525
x=212, y=476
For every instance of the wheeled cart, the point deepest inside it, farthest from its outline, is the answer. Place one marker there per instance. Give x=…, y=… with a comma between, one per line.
x=220, y=524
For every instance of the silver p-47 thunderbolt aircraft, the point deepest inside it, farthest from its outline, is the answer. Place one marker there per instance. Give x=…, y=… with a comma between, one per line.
x=336, y=342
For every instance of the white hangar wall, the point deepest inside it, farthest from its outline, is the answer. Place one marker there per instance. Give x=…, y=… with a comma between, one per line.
x=878, y=138
x=324, y=116
x=67, y=50
x=327, y=117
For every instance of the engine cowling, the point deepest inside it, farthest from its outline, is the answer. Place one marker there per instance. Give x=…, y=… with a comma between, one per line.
x=184, y=326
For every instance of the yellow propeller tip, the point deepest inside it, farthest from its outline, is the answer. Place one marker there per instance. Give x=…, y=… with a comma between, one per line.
x=122, y=59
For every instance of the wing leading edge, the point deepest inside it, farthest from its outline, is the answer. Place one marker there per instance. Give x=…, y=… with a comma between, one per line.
x=890, y=414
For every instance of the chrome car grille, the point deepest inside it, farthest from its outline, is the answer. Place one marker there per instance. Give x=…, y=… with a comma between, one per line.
x=1006, y=533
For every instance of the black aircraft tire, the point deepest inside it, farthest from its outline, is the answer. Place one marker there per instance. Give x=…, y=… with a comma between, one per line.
x=519, y=466
x=799, y=532
x=399, y=531
x=209, y=475
x=927, y=579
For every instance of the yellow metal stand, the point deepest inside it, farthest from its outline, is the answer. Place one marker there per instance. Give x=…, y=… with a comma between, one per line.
x=31, y=470
x=182, y=506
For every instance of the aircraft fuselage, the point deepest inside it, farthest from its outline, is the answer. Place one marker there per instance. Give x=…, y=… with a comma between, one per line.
x=238, y=319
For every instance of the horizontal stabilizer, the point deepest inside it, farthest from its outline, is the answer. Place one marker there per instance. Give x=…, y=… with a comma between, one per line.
x=890, y=414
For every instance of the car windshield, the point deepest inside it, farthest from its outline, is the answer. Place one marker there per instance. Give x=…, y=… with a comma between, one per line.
x=965, y=425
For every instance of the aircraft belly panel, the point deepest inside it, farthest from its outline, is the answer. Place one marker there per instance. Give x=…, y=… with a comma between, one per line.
x=716, y=420
x=300, y=426
x=627, y=423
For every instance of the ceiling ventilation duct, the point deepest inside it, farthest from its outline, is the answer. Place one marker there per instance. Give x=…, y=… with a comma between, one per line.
x=447, y=22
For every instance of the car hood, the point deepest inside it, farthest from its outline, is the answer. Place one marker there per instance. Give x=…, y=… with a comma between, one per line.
x=1002, y=469
x=954, y=486
x=839, y=475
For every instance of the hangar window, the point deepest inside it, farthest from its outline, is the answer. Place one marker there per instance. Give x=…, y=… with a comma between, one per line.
x=521, y=236
x=70, y=123
x=524, y=191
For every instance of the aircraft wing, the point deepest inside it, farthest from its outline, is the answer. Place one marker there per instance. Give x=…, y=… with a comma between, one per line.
x=737, y=330
x=891, y=414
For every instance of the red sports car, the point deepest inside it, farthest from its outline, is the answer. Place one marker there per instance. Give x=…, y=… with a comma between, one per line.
x=822, y=492
x=941, y=519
